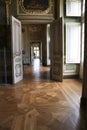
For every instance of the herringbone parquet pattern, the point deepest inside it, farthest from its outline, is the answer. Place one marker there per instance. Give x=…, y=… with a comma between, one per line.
x=38, y=103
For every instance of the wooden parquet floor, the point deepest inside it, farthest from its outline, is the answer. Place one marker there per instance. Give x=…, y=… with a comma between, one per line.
x=37, y=103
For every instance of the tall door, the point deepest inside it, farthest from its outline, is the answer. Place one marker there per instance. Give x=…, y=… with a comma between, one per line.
x=57, y=50
x=17, y=67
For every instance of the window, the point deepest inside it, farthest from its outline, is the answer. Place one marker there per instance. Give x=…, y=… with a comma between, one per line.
x=73, y=35
x=73, y=7
x=36, y=52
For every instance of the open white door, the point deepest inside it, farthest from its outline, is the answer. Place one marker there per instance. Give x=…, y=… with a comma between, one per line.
x=17, y=67
x=57, y=50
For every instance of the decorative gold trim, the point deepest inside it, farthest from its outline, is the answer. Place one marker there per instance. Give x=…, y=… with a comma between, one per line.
x=8, y=2
x=33, y=12
x=18, y=70
x=18, y=60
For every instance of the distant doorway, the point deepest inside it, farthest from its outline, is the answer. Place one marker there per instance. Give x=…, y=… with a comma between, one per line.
x=35, y=52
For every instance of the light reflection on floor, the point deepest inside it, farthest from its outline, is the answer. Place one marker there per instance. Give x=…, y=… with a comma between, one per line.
x=37, y=72
x=36, y=64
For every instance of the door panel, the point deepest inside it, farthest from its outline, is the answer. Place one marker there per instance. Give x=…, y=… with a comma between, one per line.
x=56, y=50
x=16, y=50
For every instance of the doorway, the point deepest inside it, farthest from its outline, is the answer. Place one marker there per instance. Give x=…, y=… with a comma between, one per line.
x=35, y=52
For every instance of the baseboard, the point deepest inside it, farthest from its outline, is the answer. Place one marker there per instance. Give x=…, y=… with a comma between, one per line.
x=70, y=77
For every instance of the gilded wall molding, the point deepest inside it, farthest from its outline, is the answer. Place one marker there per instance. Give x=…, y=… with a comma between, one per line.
x=39, y=10
x=8, y=2
x=35, y=28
